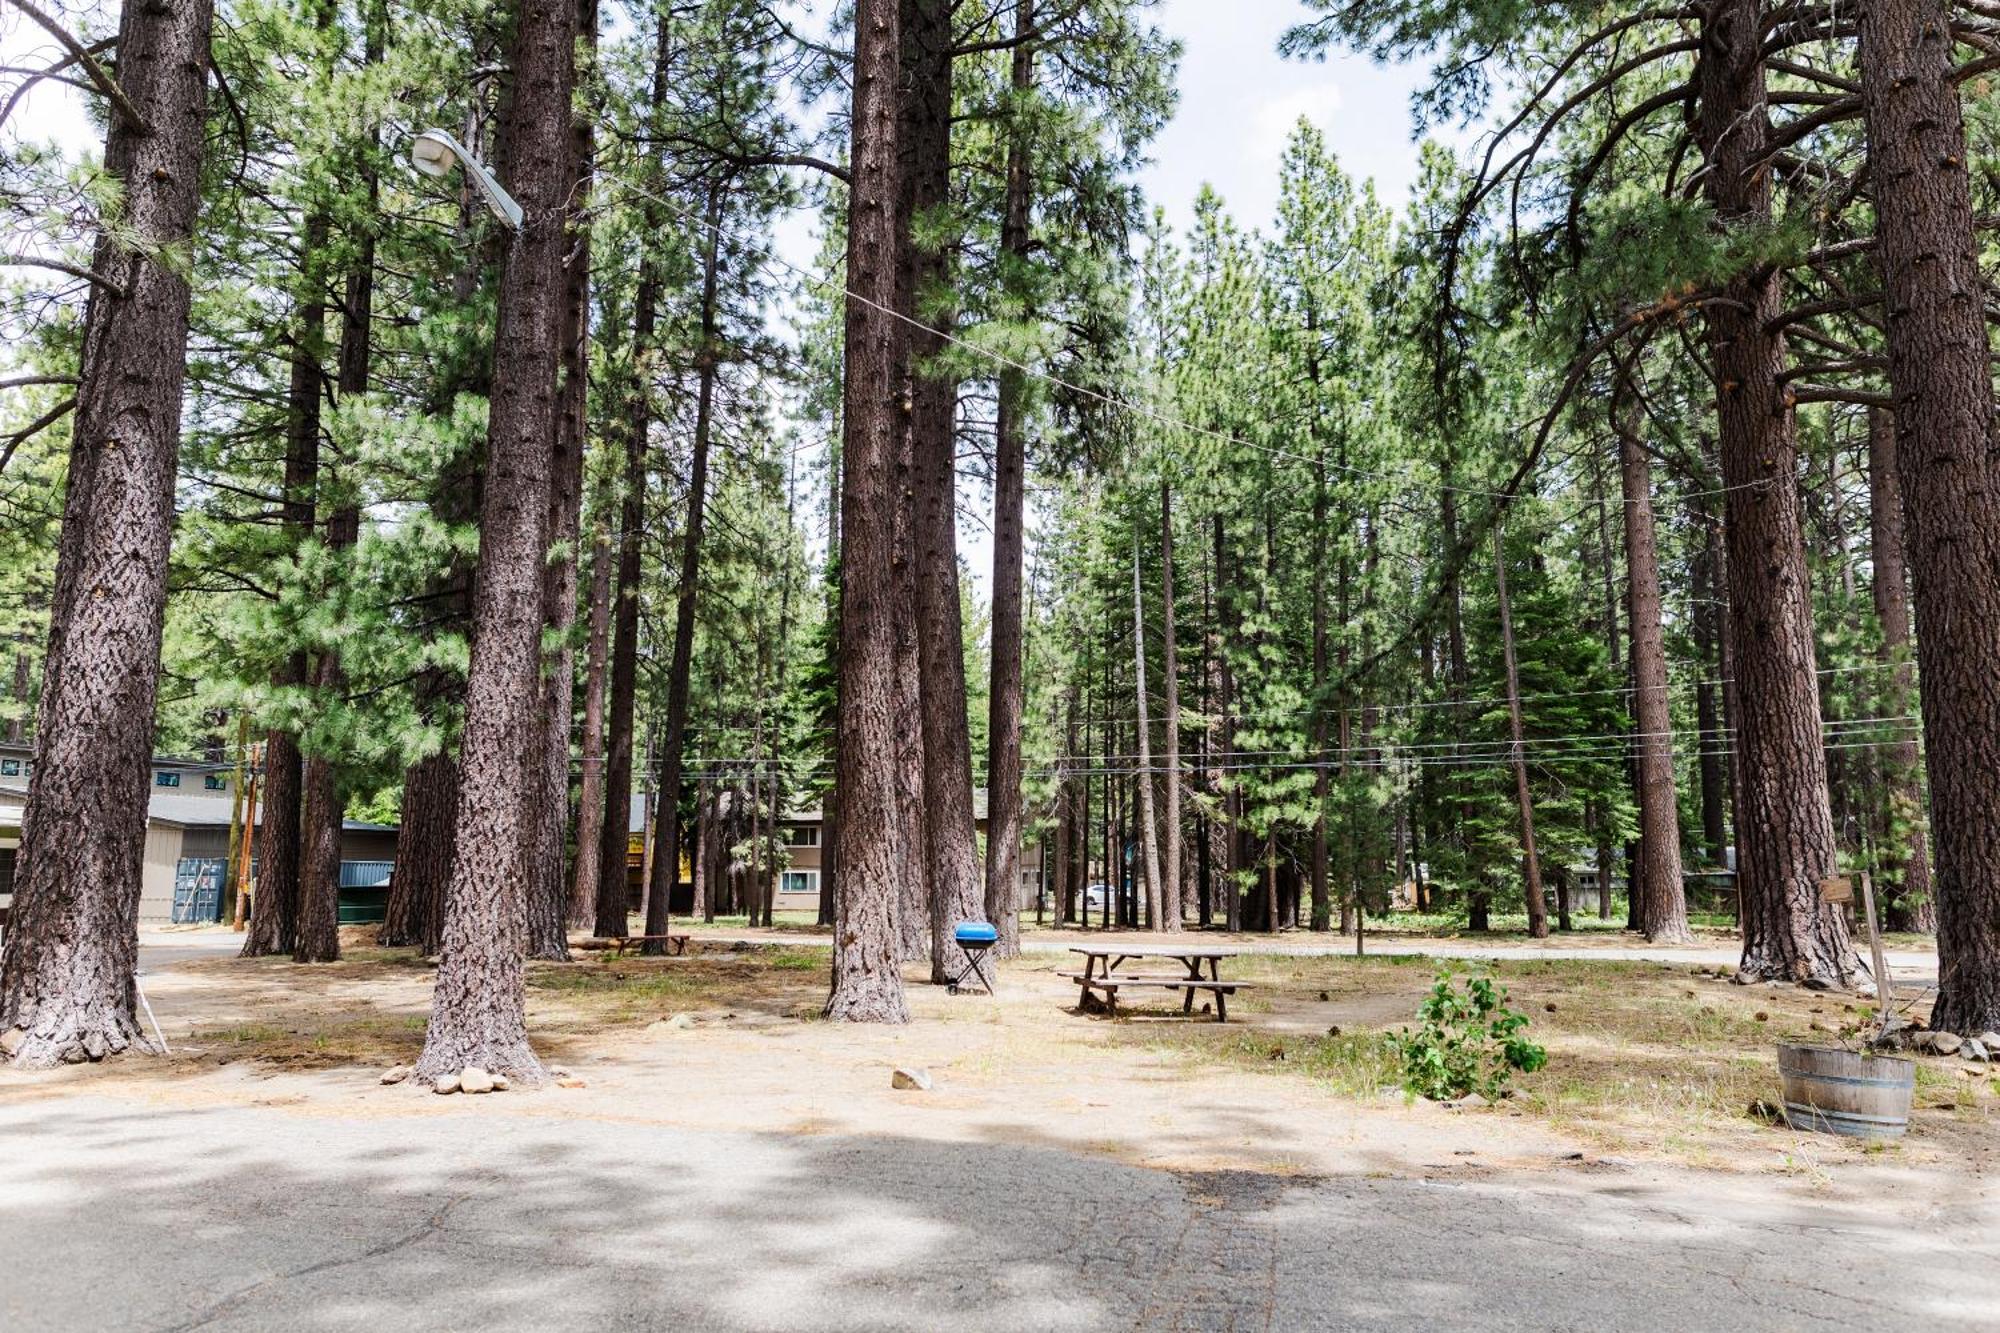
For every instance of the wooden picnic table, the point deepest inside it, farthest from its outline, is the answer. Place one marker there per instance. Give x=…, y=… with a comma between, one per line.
x=1100, y=973
x=617, y=946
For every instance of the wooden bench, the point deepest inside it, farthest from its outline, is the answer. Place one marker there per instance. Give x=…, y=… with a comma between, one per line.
x=619, y=945
x=1109, y=984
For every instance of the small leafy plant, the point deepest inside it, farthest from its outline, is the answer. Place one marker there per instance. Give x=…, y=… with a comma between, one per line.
x=1468, y=1041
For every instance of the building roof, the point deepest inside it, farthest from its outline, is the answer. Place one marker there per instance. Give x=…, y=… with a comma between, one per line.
x=166, y=807
x=207, y=812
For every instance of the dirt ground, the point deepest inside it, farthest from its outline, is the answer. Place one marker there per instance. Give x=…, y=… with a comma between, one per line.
x=1649, y=1064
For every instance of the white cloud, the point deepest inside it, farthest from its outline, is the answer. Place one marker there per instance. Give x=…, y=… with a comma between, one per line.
x=1275, y=118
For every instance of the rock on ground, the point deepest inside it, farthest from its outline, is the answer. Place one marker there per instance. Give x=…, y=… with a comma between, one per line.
x=918, y=1080
x=474, y=1079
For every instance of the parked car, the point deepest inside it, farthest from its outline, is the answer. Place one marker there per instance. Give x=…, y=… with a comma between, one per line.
x=1095, y=896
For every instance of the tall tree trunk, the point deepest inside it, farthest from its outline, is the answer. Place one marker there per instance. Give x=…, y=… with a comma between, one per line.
x=590, y=786
x=1149, y=832
x=1940, y=368
x=548, y=886
x=1228, y=785
x=1786, y=830
x=275, y=908
x=1004, y=695
x=956, y=887
x=1713, y=768
x=478, y=1008
x=425, y=845
x=776, y=770
x=867, y=981
x=1322, y=902
x=72, y=940
x=1663, y=914
x=322, y=809
x=17, y=725
x=829, y=856
x=613, y=906
x=667, y=829
x=1174, y=892
x=1457, y=677
x=423, y=854
x=1531, y=865
x=1904, y=856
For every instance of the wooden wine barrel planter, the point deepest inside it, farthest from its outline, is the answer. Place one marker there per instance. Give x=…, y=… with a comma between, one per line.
x=1832, y=1091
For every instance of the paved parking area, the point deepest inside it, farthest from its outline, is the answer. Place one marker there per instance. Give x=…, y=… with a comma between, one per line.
x=132, y=1214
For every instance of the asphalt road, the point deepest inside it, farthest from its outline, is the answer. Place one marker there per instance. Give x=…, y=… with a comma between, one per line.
x=120, y=1214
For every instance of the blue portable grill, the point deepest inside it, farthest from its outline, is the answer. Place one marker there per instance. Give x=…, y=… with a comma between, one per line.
x=974, y=939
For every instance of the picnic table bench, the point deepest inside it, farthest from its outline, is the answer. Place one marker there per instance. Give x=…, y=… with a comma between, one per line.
x=1100, y=973
x=619, y=945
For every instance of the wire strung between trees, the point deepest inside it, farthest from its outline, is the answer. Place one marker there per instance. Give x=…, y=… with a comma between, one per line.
x=1117, y=402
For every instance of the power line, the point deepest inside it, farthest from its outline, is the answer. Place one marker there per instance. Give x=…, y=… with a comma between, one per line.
x=1114, y=401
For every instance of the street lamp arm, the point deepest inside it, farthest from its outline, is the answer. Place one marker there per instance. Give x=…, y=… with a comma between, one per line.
x=433, y=151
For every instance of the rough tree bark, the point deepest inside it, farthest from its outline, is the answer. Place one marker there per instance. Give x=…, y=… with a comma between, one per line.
x=1663, y=911
x=1149, y=830
x=949, y=831
x=1785, y=835
x=322, y=810
x=590, y=786
x=1907, y=882
x=548, y=892
x=1173, y=899
x=17, y=725
x=280, y=838
x=613, y=904
x=1707, y=621
x=1940, y=368
x=867, y=984
x=423, y=857
x=1229, y=618
x=1322, y=902
x=478, y=1007
x=667, y=827
x=72, y=940
x=1531, y=865
x=1004, y=695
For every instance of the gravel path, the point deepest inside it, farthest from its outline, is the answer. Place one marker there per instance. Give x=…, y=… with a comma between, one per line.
x=132, y=1214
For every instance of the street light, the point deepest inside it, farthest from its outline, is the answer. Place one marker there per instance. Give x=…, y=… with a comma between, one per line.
x=432, y=153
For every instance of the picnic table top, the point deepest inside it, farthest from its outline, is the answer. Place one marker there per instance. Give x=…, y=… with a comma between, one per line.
x=1155, y=950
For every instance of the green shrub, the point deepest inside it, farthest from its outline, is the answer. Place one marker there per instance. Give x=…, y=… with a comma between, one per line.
x=1469, y=1041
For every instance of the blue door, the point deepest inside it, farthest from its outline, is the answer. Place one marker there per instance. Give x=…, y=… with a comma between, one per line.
x=198, y=890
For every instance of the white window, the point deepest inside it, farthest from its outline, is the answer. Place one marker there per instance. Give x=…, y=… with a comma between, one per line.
x=799, y=881
x=802, y=835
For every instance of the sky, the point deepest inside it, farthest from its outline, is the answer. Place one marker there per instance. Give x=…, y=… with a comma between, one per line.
x=1239, y=101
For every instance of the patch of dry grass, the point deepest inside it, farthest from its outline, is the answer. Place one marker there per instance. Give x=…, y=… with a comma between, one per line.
x=1642, y=1056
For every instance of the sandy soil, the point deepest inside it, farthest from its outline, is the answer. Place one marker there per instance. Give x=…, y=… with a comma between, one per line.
x=1650, y=1064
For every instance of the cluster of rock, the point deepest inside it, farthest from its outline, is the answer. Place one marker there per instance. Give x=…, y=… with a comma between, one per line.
x=473, y=1079
x=1919, y=1040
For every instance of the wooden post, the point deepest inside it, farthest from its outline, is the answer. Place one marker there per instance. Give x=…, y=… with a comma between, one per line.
x=237, y=825
x=1884, y=988
x=241, y=917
